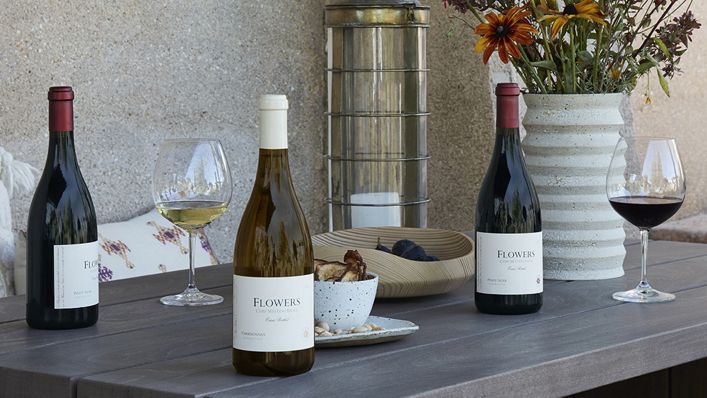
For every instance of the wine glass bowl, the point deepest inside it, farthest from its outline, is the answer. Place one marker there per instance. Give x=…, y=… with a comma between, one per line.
x=646, y=186
x=191, y=187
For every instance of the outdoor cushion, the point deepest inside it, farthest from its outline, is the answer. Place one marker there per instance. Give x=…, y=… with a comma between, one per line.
x=147, y=244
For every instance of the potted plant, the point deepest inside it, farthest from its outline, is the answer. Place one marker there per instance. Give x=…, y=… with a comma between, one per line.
x=577, y=59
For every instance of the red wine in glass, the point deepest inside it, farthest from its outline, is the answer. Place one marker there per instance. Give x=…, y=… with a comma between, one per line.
x=646, y=186
x=645, y=211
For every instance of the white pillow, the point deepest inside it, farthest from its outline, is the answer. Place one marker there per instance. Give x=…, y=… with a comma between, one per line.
x=147, y=244
x=20, y=266
x=7, y=242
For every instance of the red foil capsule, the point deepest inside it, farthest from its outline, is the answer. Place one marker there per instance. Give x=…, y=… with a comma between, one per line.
x=61, y=109
x=507, y=105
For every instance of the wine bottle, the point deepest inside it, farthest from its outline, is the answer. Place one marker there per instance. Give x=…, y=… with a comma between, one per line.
x=273, y=281
x=62, y=235
x=509, y=252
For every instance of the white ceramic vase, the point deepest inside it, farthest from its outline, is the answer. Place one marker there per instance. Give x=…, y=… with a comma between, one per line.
x=568, y=148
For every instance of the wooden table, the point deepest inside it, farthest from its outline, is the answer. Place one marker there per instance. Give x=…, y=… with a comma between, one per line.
x=580, y=340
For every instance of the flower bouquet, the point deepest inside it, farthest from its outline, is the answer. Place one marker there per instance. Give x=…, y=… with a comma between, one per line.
x=582, y=47
x=578, y=58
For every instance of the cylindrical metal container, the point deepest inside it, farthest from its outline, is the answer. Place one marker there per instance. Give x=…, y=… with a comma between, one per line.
x=377, y=113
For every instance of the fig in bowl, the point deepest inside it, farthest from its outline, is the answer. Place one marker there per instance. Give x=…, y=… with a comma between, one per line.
x=344, y=292
x=410, y=262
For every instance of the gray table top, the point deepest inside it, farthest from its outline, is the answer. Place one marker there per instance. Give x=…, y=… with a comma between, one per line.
x=581, y=339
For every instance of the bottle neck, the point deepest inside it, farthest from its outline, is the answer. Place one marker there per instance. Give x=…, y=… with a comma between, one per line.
x=273, y=169
x=508, y=134
x=273, y=129
x=273, y=163
x=507, y=124
x=61, y=149
x=61, y=115
x=508, y=145
x=507, y=112
x=61, y=133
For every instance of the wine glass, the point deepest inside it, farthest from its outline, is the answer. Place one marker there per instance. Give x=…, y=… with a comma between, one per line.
x=191, y=187
x=646, y=186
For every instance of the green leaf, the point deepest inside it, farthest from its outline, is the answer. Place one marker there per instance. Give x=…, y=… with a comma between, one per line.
x=585, y=58
x=662, y=46
x=545, y=64
x=649, y=58
x=646, y=64
x=663, y=83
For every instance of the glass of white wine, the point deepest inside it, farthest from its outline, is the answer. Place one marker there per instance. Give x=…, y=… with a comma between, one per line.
x=191, y=187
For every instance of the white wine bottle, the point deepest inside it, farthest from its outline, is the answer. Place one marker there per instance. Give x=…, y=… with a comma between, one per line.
x=273, y=280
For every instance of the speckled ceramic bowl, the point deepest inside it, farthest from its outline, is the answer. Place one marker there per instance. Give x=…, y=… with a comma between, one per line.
x=344, y=305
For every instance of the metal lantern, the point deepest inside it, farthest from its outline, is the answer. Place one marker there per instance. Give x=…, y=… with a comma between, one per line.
x=377, y=113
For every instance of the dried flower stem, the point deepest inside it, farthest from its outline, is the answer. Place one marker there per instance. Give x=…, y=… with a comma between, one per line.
x=650, y=34
x=597, y=52
x=533, y=71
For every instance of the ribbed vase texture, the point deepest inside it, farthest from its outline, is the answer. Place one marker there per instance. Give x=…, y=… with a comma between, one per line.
x=568, y=148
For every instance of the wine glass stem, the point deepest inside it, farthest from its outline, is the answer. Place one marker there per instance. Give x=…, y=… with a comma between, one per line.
x=644, y=251
x=192, y=244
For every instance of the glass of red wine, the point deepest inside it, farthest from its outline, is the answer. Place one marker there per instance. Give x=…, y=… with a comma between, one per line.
x=646, y=186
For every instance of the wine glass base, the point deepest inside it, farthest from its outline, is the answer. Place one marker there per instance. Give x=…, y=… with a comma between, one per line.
x=643, y=295
x=191, y=297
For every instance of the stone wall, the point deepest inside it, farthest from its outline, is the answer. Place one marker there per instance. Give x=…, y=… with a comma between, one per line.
x=145, y=71
x=683, y=115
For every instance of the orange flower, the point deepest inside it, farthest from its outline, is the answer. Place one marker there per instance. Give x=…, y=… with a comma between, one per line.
x=615, y=73
x=585, y=9
x=505, y=32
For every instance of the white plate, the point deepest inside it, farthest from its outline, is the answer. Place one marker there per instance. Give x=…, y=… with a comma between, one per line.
x=393, y=329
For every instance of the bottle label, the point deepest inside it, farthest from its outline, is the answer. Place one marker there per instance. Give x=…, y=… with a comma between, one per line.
x=273, y=314
x=76, y=275
x=509, y=263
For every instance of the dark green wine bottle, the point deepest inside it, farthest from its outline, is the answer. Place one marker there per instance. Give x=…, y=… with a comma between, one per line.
x=62, y=235
x=509, y=251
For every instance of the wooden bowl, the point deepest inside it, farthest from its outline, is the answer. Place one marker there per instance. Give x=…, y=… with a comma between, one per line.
x=400, y=277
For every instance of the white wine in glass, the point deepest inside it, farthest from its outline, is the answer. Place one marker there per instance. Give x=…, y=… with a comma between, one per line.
x=191, y=187
x=192, y=214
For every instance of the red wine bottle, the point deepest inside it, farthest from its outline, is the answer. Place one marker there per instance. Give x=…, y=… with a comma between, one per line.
x=62, y=235
x=509, y=252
